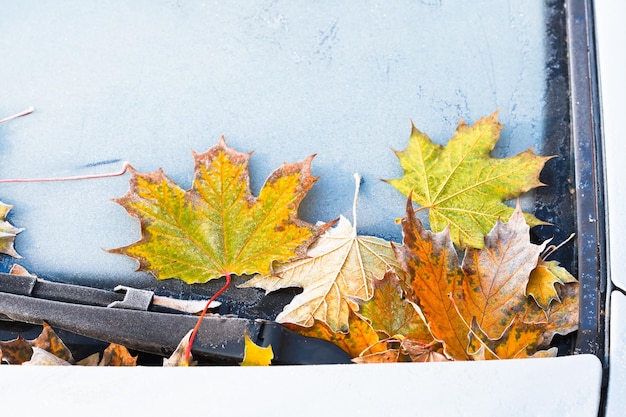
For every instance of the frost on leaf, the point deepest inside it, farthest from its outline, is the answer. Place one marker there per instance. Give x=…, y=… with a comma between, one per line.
x=461, y=185
x=117, y=355
x=218, y=227
x=519, y=340
x=338, y=268
x=7, y=232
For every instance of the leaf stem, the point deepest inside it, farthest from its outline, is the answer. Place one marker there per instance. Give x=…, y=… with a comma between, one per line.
x=15, y=116
x=552, y=248
x=71, y=178
x=201, y=317
x=357, y=187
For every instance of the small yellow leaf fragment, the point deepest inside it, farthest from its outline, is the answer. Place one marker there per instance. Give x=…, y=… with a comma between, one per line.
x=255, y=355
x=7, y=232
x=543, y=280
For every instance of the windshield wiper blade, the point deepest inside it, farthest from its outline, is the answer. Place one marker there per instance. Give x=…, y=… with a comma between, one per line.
x=220, y=339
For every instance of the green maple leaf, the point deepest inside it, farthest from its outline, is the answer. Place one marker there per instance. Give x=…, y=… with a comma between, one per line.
x=461, y=185
x=218, y=227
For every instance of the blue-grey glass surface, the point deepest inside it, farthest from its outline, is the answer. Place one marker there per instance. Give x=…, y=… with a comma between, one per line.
x=149, y=81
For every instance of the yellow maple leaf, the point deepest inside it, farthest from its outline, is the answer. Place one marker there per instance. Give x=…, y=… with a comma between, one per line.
x=218, y=227
x=8, y=232
x=543, y=280
x=255, y=355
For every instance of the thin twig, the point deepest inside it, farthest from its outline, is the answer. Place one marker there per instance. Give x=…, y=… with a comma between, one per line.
x=71, y=178
x=357, y=186
x=15, y=116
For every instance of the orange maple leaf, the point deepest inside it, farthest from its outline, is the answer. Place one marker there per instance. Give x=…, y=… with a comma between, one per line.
x=432, y=266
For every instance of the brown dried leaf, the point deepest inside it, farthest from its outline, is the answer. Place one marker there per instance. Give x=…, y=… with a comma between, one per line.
x=49, y=341
x=386, y=356
x=117, y=355
x=495, y=277
x=16, y=351
x=432, y=267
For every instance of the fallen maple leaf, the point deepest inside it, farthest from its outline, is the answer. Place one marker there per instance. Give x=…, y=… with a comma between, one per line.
x=338, y=269
x=217, y=227
x=117, y=355
x=562, y=316
x=20, y=350
x=432, y=267
x=495, y=277
x=461, y=185
x=49, y=341
x=16, y=351
x=519, y=340
x=418, y=352
x=255, y=355
x=8, y=232
x=386, y=356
